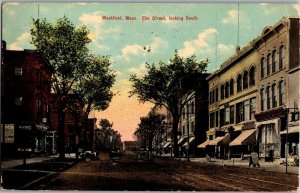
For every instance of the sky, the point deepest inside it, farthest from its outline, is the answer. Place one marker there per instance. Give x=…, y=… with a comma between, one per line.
x=213, y=34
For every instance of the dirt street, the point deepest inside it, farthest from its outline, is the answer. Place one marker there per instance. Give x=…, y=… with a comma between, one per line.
x=166, y=175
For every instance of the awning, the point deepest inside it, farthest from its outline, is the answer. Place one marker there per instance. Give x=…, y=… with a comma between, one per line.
x=167, y=145
x=292, y=129
x=247, y=137
x=181, y=140
x=204, y=144
x=276, y=122
x=222, y=140
x=190, y=141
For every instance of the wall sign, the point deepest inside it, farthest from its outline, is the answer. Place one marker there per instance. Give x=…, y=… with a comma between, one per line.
x=9, y=133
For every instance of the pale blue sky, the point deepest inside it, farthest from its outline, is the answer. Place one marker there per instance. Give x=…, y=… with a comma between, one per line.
x=215, y=29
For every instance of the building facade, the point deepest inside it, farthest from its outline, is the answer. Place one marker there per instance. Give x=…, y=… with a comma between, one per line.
x=25, y=107
x=278, y=50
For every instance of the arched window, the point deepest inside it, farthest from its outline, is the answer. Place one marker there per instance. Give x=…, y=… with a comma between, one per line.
x=262, y=67
x=274, y=61
x=245, y=80
x=268, y=64
x=226, y=89
x=239, y=83
x=268, y=97
x=281, y=57
x=222, y=91
x=231, y=87
x=281, y=93
x=252, y=76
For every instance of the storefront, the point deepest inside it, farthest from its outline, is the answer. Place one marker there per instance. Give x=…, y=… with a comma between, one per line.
x=244, y=143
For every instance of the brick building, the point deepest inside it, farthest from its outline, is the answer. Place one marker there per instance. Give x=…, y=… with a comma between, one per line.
x=25, y=99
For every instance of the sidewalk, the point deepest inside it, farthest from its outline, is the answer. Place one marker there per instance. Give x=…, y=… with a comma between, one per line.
x=237, y=162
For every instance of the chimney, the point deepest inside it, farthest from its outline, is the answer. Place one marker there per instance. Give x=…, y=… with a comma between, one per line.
x=237, y=49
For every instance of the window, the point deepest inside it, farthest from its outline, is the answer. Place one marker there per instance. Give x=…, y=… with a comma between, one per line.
x=227, y=116
x=216, y=95
x=226, y=90
x=222, y=91
x=18, y=71
x=262, y=100
x=18, y=101
x=268, y=98
x=268, y=64
x=274, y=96
x=239, y=83
x=217, y=118
x=183, y=114
x=193, y=107
x=246, y=110
x=281, y=57
x=281, y=93
x=239, y=112
x=212, y=120
x=232, y=114
x=262, y=68
x=252, y=108
x=210, y=98
x=245, y=80
x=274, y=61
x=192, y=127
x=231, y=87
x=222, y=116
x=183, y=130
x=252, y=76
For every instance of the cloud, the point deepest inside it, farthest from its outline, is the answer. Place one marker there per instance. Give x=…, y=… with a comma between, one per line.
x=19, y=43
x=93, y=20
x=223, y=48
x=199, y=45
x=133, y=49
x=140, y=71
x=297, y=8
x=232, y=16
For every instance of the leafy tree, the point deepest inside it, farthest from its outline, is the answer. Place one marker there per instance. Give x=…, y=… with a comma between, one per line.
x=148, y=128
x=167, y=85
x=63, y=48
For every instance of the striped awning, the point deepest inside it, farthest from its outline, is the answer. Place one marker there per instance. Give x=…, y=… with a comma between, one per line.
x=167, y=145
x=292, y=129
x=221, y=140
x=204, y=144
x=181, y=140
x=247, y=137
x=190, y=141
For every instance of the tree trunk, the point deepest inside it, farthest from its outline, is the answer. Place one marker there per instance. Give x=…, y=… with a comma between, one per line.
x=61, y=130
x=175, y=132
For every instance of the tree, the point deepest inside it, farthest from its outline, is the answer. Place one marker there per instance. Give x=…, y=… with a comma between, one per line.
x=111, y=138
x=167, y=85
x=63, y=48
x=93, y=90
x=148, y=128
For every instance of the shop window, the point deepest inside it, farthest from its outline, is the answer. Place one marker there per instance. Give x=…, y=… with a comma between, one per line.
x=231, y=87
x=227, y=116
x=281, y=93
x=252, y=76
x=281, y=57
x=262, y=99
x=274, y=61
x=262, y=67
x=268, y=98
x=239, y=112
x=239, y=83
x=231, y=114
x=245, y=80
x=269, y=64
x=274, y=96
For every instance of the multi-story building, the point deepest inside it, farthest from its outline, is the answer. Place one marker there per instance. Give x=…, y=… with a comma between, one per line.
x=232, y=105
x=194, y=117
x=278, y=52
x=25, y=99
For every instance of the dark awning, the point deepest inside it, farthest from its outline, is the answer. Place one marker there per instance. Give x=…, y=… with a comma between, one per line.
x=247, y=137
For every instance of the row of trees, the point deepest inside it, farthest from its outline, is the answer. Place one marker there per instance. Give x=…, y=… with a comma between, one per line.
x=106, y=138
x=170, y=85
x=79, y=79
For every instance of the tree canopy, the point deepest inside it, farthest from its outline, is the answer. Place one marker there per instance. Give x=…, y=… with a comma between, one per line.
x=165, y=84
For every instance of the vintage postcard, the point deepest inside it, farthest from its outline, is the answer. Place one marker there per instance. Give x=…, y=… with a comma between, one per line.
x=150, y=96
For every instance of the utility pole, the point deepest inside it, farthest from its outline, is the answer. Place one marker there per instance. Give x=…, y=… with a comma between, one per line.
x=188, y=132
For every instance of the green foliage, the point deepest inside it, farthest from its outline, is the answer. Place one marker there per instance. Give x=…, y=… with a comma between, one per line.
x=105, y=124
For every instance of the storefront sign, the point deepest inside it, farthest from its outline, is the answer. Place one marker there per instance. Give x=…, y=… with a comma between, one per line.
x=270, y=114
x=25, y=127
x=9, y=133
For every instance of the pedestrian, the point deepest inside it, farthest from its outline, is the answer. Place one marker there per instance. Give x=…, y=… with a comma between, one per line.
x=250, y=161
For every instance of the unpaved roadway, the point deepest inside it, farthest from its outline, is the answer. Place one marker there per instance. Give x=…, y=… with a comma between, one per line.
x=166, y=175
